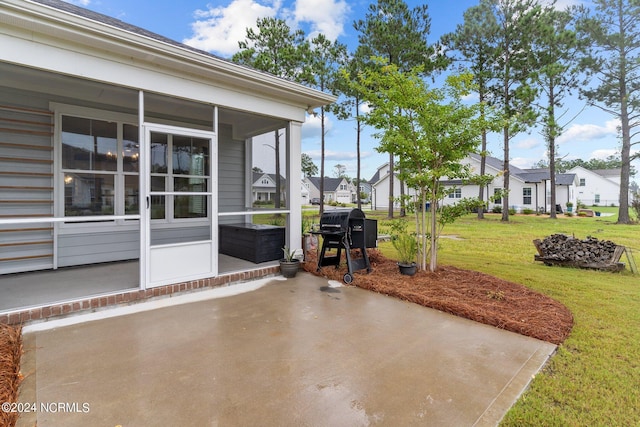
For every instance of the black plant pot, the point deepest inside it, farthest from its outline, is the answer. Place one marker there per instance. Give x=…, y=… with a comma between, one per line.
x=289, y=269
x=408, y=269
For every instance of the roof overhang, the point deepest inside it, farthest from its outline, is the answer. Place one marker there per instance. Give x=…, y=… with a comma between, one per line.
x=35, y=23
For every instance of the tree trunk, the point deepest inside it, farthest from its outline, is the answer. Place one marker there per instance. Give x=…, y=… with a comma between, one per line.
x=358, y=156
x=391, y=182
x=552, y=153
x=505, y=195
x=483, y=167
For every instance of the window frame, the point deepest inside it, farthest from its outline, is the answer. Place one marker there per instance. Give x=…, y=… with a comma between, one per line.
x=526, y=196
x=119, y=175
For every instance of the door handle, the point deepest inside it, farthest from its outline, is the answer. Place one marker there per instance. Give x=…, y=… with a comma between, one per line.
x=148, y=201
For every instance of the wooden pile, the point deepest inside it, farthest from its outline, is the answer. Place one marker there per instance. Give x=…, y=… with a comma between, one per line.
x=560, y=249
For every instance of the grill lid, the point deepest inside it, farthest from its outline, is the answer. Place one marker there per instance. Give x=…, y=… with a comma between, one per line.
x=337, y=220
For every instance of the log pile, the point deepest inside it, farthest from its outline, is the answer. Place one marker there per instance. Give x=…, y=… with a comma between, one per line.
x=560, y=249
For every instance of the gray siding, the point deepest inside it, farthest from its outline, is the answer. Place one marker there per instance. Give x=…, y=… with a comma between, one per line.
x=30, y=247
x=26, y=181
x=231, y=175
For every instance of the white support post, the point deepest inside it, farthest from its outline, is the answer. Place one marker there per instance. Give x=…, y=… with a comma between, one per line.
x=143, y=194
x=294, y=179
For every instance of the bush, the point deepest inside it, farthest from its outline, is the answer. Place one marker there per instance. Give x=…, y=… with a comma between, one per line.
x=512, y=211
x=527, y=211
x=496, y=209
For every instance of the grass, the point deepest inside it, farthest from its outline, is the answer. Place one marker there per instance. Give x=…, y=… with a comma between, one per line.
x=593, y=379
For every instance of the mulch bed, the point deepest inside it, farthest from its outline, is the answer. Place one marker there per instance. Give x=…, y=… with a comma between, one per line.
x=470, y=294
x=10, y=377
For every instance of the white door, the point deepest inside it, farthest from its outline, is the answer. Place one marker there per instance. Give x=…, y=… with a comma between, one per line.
x=179, y=217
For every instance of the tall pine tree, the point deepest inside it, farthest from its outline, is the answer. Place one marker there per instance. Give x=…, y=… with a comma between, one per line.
x=398, y=34
x=613, y=60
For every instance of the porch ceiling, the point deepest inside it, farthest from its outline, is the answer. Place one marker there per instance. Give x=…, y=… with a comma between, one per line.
x=101, y=95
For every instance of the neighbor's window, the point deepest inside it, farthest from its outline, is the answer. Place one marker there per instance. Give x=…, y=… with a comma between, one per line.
x=596, y=198
x=343, y=186
x=456, y=194
x=526, y=196
x=582, y=182
x=496, y=195
x=99, y=167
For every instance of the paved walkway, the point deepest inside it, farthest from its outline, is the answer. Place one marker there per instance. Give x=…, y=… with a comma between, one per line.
x=295, y=352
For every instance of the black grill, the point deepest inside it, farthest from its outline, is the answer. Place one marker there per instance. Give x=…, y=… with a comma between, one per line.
x=346, y=229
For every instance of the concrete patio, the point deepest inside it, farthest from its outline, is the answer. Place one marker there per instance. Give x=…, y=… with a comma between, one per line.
x=296, y=352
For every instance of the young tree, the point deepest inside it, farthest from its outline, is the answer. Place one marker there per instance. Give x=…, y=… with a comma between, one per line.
x=308, y=167
x=398, y=34
x=274, y=48
x=613, y=59
x=431, y=130
x=474, y=41
x=510, y=90
x=557, y=74
x=325, y=61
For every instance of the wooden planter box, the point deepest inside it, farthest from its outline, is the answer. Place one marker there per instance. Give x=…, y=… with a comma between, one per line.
x=252, y=242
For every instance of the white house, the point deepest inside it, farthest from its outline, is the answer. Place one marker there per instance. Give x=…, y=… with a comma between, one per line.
x=117, y=144
x=598, y=187
x=380, y=197
x=528, y=188
x=335, y=189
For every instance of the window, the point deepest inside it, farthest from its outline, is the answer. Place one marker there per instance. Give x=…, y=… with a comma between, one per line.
x=343, y=187
x=456, y=194
x=497, y=192
x=596, y=198
x=526, y=196
x=582, y=182
x=264, y=181
x=99, y=167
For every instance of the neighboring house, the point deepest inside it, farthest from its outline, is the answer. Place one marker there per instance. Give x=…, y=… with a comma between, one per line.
x=528, y=188
x=598, y=187
x=364, y=189
x=263, y=188
x=335, y=189
x=119, y=144
x=380, y=188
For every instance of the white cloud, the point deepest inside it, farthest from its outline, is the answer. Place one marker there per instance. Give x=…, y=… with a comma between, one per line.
x=218, y=29
x=587, y=132
x=311, y=128
x=324, y=16
x=563, y=4
x=604, y=153
x=341, y=156
x=528, y=143
x=522, y=162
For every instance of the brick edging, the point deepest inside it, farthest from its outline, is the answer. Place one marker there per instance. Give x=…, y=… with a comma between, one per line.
x=92, y=304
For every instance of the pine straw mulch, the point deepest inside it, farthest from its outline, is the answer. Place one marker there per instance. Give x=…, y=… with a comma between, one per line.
x=10, y=376
x=470, y=294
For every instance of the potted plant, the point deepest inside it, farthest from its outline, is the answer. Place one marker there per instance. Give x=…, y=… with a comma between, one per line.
x=569, y=206
x=289, y=265
x=407, y=247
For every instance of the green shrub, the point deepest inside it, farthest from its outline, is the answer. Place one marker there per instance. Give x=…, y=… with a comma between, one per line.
x=496, y=209
x=527, y=211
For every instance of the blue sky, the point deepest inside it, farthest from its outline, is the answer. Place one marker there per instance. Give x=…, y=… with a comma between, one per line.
x=217, y=26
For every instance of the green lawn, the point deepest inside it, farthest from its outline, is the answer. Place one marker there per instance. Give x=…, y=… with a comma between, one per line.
x=594, y=379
